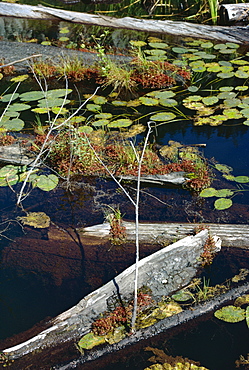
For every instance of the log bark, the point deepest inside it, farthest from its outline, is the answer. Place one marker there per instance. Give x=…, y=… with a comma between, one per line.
x=231, y=13
x=231, y=235
x=164, y=272
x=184, y=29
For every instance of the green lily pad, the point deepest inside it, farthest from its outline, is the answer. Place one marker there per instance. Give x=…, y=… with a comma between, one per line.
x=18, y=107
x=222, y=203
x=232, y=45
x=103, y=115
x=99, y=100
x=118, y=123
x=100, y=122
x=85, y=129
x=91, y=340
x=232, y=113
x=158, y=45
x=245, y=112
x=38, y=220
x=193, y=88
x=223, y=168
x=163, y=116
x=119, y=103
x=241, y=88
x=9, y=97
x=161, y=94
x=137, y=43
x=93, y=107
x=230, y=314
x=52, y=102
x=241, y=74
x=46, y=183
x=232, y=102
x=40, y=110
x=240, y=62
x=207, y=45
x=208, y=193
x=32, y=95
x=148, y=101
x=19, y=78
x=210, y=100
x=156, y=52
x=224, y=75
x=182, y=296
x=222, y=193
x=242, y=300
x=179, y=50
x=57, y=93
x=168, y=102
x=226, y=88
x=241, y=179
x=247, y=316
x=63, y=38
x=59, y=110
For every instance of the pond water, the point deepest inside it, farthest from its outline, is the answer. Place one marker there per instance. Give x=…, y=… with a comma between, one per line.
x=44, y=273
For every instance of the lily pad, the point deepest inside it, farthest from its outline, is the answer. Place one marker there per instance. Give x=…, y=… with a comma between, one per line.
x=100, y=122
x=161, y=94
x=182, y=296
x=148, y=101
x=208, y=193
x=242, y=300
x=241, y=179
x=230, y=314
x=46, y=183
x=118, y=123
x=99, y=100
x=32, y=95
x=210, y=100
x=222, y=203
x=158, y=45
x=168, y=102
x=223, y=168
x=93, y=107
x=103, y=115
x=163, y=116
x=9, y=97
x=222, y=193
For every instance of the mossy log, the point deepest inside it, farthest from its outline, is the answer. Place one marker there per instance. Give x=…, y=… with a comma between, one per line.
x=184, y=29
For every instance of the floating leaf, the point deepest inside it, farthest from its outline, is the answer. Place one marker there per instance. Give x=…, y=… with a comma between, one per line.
x=207, y=45
x=179, y=50
x=137, y=43
x=242, y=300
x=232, y=102
x=119, y=103
x=168, y=102
x=223, y=168
x=232, y=45
x=59, y=110
x=230, y=314
x=100, y=122
x=225, y=74
x=241, y=88
x=222, y=193
x=51, y=102
x=156, y=52
x=99, y=100
x=247, y=316
x=85, y=129
x=158, y=45
x=222, y=203
x=15, y=124
x=246, y=123
x=46, y=43
x=93, y=107
x=210, y=100
x=193, y=88
x=17, y=107
x=46, y=183
x=241, y=179
x=123, y=122
x=40, y=110
x=240, y=62
x=91, y=340
x=19, y=78
x=245, y=112
x=241, y=74
x=182, y=296
x=32, y=95
x=103, y=115
x=208, y=192
x=161, y=94
x=9, y=97
x=232, y=113
x=63, y=38
x=38, y=220
x=163, y=116
x=148, y=101
x=64, y=30
x=226, y=88
x=57, y=93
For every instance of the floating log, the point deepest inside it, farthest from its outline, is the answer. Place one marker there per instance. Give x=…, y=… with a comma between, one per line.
x=231, y=235
x=164, y=272
x=233, y=13
x=239, y=35
x=16, y=154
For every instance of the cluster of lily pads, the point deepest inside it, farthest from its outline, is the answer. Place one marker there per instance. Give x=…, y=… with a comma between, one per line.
x=224, y=196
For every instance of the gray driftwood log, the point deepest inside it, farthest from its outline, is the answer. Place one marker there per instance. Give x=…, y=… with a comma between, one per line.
x=231, y=13
x=184, y=29
x=231, y=235
x=165, y=271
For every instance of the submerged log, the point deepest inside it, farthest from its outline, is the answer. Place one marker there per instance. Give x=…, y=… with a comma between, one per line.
x=164, y=272
x=231, y=13
x=184, y=29
x=231, y=235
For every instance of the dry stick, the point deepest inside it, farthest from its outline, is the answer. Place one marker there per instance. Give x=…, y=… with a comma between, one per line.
x=136, y=205
x=140, y=161
x=43, y=149
x=21, y=60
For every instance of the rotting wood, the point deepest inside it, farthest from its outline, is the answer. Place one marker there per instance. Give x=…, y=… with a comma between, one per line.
x=231, y=13
x=231, y=235
x=163, y=278
x=184, y=29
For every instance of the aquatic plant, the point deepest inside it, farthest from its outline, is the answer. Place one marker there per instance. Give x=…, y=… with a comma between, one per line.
x=117, y=230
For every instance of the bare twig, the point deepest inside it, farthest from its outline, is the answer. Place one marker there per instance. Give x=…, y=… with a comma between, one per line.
x=21, y=60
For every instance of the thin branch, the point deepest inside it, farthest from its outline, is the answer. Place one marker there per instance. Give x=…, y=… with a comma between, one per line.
x=20, y=60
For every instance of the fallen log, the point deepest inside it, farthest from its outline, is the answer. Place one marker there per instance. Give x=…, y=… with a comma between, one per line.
x=231, y=13
x=231, y=235
x=165, y=271
x=184, y=29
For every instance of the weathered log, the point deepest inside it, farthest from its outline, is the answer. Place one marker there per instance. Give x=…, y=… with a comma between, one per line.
x=231, y=235
x=164, y=272
x=231, y=13
x=226, y=34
